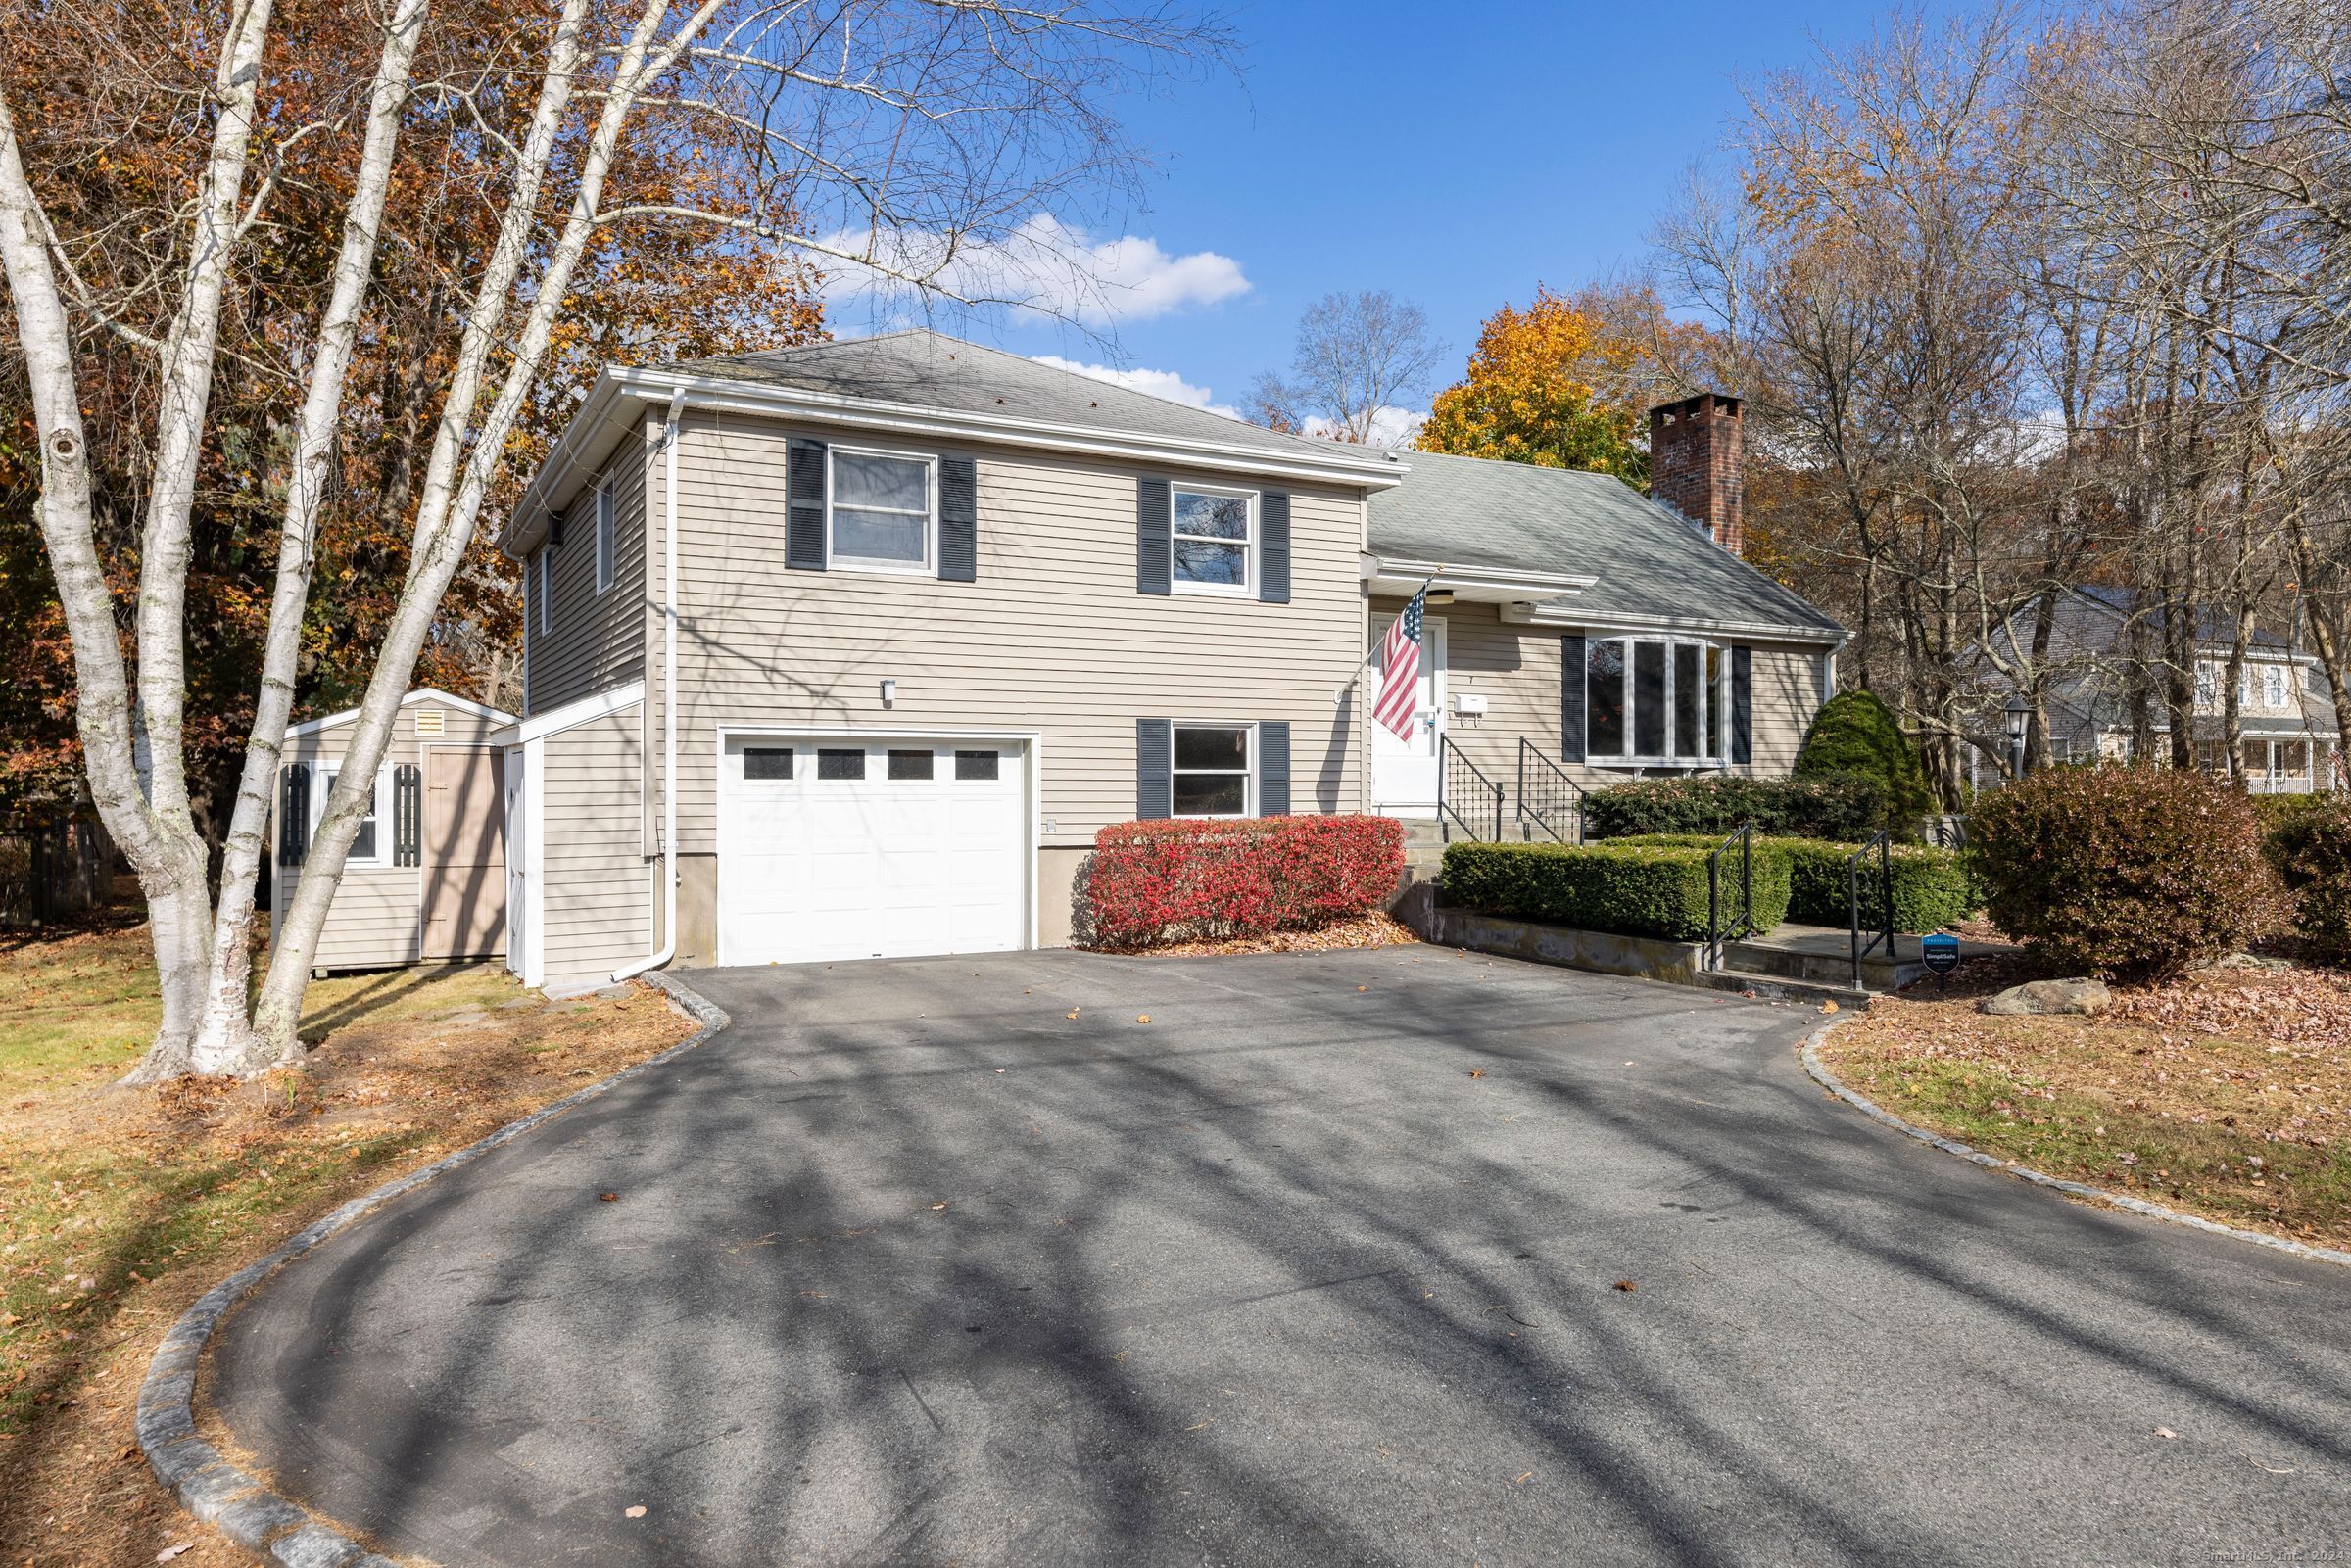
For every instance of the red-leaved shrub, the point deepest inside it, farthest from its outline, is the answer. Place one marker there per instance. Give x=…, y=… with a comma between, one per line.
x=1164, y=882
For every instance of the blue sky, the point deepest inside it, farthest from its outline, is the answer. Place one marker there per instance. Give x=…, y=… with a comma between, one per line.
x=1456, y=154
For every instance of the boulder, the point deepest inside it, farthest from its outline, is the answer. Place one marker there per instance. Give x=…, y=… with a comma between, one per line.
x=2050, y=996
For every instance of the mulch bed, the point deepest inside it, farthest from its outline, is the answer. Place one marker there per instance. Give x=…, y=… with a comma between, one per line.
x=1361, y=931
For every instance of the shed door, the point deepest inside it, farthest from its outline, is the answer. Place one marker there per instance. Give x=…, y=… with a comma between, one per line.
x=464, y=852
x=855, y=848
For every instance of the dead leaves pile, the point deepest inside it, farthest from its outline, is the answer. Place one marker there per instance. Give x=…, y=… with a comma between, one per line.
x=1361, y=931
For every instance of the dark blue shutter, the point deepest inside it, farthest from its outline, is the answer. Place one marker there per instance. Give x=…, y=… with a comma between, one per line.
x=958, y=520
x=1573, y=673
x=804, y=526
x=1742, y=703
x=1153, y=537
x=1273, y=551
x=294, y=814
x=1154, y=760
x=408, y=815
x=1274, y=767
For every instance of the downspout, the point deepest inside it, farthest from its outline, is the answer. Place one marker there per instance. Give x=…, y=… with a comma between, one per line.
x=670, y=699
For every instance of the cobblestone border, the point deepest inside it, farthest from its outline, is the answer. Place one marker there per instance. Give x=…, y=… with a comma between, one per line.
x=1827, y=1080
x=195, y=1472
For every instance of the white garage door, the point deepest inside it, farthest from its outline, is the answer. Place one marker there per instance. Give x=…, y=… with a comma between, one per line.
x=855, y=848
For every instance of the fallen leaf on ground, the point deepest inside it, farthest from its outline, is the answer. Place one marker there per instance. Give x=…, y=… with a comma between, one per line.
x=637, y=1511
x=1624, y=1285
x=2165, y=1432
x=170, y=1552
x=1829, y=1006
x=1524, y=1478
x=1142, y=1018
x=939, y=1205
x=1478, y=1073
x=607, y=1196
x=1071, y=1014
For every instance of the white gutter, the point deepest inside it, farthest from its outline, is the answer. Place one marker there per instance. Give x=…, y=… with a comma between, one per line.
x=670, y=699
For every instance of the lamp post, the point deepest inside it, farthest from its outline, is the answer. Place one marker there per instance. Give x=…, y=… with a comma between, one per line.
x=2018, y=714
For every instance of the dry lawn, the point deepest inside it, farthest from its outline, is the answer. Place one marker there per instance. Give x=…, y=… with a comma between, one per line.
x=119, y=1207
x=2225, y=1094
x=1374, y=929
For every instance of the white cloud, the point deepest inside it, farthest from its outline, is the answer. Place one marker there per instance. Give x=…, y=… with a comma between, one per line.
x=1391, y=426
x=1159, y=383
x=1044, y=265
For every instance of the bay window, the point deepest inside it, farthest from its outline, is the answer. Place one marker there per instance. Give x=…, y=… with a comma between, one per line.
x=1654, y=701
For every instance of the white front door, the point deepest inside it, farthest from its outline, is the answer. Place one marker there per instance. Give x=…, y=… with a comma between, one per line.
x=855, y=847
x=1404, y=772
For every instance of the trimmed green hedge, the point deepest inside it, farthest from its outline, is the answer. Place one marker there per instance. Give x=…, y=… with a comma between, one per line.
x=1931, y=887
x=1835, y=806
x=2310, y=845
x=1654, y=889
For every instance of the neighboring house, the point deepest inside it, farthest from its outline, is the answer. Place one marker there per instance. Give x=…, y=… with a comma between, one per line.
x=426, y=879
x=941, y=612
x=2290, y=741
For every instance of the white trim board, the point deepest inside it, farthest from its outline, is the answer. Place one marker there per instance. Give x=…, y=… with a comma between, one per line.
x=581, y=710
x=424, y=694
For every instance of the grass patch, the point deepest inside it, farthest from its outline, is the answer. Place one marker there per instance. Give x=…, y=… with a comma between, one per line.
x=2225, y=1094
x=118, y=1207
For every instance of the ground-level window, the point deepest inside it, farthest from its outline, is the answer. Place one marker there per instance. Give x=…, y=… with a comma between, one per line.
x=1211, y=776
x=367, y=849
x=1654, y=701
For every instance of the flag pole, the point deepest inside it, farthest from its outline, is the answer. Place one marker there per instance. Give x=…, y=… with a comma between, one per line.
x=1340, y=695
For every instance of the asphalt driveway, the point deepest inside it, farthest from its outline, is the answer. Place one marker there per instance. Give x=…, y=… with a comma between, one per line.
x=1320, y=1265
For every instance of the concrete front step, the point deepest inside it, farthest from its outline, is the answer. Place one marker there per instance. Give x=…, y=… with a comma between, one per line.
x=1812, y=966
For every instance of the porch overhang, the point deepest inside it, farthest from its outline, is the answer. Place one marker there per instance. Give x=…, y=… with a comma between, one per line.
x=1393, y=577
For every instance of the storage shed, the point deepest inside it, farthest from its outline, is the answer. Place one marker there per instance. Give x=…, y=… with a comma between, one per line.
x=426, y=879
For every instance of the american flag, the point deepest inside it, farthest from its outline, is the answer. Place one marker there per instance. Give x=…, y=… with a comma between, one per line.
x=1400, y=671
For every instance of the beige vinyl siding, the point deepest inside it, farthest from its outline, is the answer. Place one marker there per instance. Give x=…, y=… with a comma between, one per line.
x=374, y=919
x=1517, y=670
x=1053, y=638
x=595, y=903
x=597, y=640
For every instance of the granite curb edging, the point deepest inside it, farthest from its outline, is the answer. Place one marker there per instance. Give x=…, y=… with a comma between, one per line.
x=1823, y=1076
x=196, y=1473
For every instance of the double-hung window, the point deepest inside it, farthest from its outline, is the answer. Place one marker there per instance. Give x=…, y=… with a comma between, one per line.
x=1212, y=776
x=604, y=533
x=368, y=849
x=1214, y=540
x=2273, y=686
x=881, y=513
x=1654, y=701
x=2208, y=686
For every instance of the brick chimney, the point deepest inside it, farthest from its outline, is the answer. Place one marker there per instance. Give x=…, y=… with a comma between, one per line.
x=1695, y=450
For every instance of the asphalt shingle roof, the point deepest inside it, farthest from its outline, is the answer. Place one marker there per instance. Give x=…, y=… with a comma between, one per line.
x=1650, y=562
x=937, y=371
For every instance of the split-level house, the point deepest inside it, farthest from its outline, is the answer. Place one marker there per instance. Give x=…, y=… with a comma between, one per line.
x=2106, y=657
x=848, y=651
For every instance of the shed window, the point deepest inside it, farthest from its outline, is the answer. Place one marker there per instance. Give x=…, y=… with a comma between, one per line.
x=1211, y=776
x=366, y=850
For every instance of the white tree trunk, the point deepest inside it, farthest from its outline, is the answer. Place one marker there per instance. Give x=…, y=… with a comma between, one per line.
x=224, y=1040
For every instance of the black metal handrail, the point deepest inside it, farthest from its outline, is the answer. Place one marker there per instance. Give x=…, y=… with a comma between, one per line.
x=1883, y=842
x=1725, y=925
x=1547, y=796
x=1467, y=796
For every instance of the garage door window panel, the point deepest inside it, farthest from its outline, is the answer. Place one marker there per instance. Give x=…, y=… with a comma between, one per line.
x=831, y=763
x=1211, y=776
x=973, y=765
x=767, y=762
x=910, y=764
x=1214, y=532
x=881, y=517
